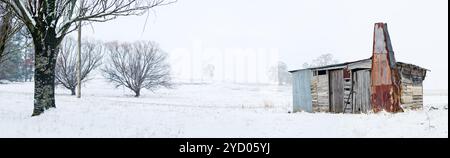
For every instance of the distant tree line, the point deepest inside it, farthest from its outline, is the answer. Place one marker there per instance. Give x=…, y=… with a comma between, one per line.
x=17, y=62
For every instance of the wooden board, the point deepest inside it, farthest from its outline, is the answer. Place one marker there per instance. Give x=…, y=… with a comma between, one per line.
x=361, y=95
x=412, y=86
x=337, y=91
x=412, y=96
x=315, y=97
x=319, y=90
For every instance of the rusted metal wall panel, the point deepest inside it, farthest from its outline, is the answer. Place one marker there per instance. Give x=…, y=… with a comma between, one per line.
x=385, y=89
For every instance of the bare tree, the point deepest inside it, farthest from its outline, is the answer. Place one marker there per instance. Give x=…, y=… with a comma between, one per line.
x=8, y=28
x=208, y=72
x=137, y=65
x=279, y=73
x=16, y=63
x=91, y=56
x=322, y=60
x=49, y=21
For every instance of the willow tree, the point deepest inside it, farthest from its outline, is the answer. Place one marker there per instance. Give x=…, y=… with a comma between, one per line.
x=49, y=21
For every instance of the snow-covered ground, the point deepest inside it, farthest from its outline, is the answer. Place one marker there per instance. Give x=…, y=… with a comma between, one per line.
x=203, y=110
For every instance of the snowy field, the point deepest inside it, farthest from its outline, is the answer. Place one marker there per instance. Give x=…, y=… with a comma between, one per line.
x=203, y=110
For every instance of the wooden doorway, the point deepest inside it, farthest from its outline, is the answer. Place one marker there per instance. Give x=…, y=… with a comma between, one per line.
x=361, y=99
x=337, y=91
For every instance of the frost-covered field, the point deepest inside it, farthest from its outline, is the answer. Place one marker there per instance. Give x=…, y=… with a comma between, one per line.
x=203, y=110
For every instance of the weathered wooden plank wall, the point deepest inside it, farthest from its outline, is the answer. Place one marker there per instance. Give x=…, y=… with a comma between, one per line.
x=323, y=94
x=314, y=92
x=412, y=97
x=361, y=98
x=319, y=89
x=337, y=91
x=302, y=91
x=412, y=86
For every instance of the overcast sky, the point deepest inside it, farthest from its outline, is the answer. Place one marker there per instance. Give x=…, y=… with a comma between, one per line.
x=299, y=30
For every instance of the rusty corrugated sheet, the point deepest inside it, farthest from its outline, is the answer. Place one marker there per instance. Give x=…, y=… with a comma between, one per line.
x=386, y=90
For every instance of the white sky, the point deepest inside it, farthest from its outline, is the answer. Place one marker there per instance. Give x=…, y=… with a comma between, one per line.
x=299, y=29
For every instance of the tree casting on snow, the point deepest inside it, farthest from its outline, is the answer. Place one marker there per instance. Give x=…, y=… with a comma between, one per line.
x=49, y=21
x=66, y=65
x=137, y=65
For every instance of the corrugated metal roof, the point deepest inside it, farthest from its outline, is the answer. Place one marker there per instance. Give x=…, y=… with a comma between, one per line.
x=412, y=65
x=334, y=66
x=342, y=65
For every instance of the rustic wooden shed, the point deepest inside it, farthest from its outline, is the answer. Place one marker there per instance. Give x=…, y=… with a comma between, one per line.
x=346, y=87
x=374, y=84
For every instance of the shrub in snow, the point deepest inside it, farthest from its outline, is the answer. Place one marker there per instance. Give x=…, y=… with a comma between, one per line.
x=268, y=104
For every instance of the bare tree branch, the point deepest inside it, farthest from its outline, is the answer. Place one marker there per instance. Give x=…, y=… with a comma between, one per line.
x=63, y=14
x=91, y=56
x=8, y=28
x=137, y=65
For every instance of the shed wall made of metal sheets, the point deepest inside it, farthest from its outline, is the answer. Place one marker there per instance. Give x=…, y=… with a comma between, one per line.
x=302, y=96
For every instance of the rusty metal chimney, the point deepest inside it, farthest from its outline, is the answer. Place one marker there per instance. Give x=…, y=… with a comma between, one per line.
x=386, y=83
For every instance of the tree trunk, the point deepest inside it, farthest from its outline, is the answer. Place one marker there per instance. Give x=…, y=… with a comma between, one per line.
x=73, y=91
x=44, y=75
x=138, y=93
